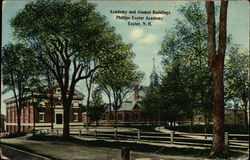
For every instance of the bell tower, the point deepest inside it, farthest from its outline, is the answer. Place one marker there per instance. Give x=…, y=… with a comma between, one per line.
x=154, y=78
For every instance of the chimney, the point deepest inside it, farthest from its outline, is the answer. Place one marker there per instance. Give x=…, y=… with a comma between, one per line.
x=136, y=92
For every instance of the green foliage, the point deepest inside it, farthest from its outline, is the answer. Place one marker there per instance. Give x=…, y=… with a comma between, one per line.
x=96, y=107
x=175, y=95
x=18, y=70
x=68, y=36
x=18, y=73
x=151, y=103
x=236, y=76
x=187, y=81
x=118, y=79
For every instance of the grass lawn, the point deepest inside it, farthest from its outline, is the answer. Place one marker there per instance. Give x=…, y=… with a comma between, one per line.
x=58, y=148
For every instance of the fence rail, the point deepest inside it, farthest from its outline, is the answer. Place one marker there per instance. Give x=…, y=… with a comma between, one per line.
x=233, y=141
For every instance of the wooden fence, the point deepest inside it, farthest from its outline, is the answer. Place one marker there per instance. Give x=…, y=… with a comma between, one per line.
x=233, y=141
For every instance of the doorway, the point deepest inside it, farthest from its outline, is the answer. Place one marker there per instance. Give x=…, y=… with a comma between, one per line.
x=59, y=119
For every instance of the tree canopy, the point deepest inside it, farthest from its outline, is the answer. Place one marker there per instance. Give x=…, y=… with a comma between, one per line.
x=68, y=35
x=18, y=71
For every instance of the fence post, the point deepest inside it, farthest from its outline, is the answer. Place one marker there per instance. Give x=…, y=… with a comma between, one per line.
x=57, y=131
x=47, y=131
x=116, y=134
x=40, y=131
x=125, y=153
x=171, y=137
x=95, y=133
x=226, y=139
x=205, y=136
x=205, y=133
x=80, y=132
x=139, y=134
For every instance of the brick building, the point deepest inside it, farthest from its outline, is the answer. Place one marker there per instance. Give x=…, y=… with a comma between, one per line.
x=130, y=111
x=43, y=117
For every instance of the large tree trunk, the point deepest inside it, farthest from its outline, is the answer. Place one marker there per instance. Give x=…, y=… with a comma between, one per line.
x=52, y=118
x=51, y=99
x=18, y=120
x=216, y=65
x=218, y=111
x=66, y=118
x=87, y=111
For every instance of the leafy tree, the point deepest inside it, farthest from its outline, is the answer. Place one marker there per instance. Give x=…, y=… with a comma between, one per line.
x=89, y=85
x=34, y=98
x=185, y=59
x=50, y=83
x=67, y=35
x=118, y=80
x=17, y=72
x=151, y=104
x=236, y=79
x=216, y=65
x=174, y=96
x=96, y=106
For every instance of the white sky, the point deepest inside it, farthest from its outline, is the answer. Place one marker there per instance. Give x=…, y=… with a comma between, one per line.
x=146, y=40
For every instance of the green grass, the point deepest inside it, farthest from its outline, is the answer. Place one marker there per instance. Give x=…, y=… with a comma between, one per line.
x=24, y=148
x=137, y=147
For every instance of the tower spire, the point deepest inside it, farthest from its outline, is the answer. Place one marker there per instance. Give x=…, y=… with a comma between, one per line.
x=153, y=76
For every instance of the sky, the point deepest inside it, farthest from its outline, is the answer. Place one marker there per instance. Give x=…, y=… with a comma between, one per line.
x=146, y=40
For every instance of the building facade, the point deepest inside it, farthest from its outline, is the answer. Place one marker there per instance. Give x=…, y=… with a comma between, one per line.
x=131, y=111
x=44, y=116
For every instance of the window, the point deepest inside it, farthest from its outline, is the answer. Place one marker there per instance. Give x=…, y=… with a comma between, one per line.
x=75, y=116
x=75, y=104
x=41, y=117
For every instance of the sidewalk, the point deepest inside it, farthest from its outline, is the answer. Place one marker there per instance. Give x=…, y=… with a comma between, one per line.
x=195, y=136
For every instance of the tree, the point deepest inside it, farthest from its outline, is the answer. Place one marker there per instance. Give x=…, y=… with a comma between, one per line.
x=118, y=80
x=151, y=104
x=50, y=83
x=89, y=85
x=185, y=59
x=236, y=79
x=216, y=66
x=34, y=98
x=174, y=95
x=17, y=71
x=96, y=106
x=67, y=35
